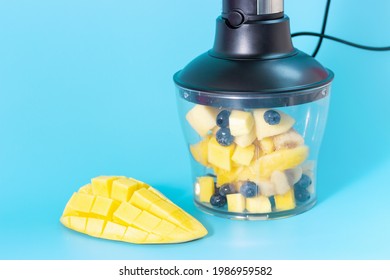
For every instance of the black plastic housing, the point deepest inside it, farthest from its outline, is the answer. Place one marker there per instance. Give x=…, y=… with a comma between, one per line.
x=254, y=64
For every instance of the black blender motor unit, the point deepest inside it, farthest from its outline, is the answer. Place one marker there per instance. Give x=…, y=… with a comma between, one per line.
x=253, y=56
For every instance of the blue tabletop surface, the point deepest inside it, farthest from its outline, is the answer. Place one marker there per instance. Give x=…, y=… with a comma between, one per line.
x=86, y=89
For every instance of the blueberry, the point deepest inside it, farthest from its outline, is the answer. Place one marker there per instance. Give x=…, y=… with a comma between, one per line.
x=249, y=189
x=223, y=118
x=272, y=201
x=272, y=117
x=303, y=183
x=224, y=137
x=301, y=195
x=218, y=200
x=226, y=189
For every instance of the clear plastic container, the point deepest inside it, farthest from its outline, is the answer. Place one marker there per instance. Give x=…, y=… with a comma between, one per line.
x=250, y=162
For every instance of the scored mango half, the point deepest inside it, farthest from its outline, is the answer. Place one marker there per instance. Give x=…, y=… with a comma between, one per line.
x=125, y=209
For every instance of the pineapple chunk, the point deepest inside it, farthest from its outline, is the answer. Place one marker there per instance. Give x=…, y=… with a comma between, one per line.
x=285, y=201
x=220, y=156
x=281, y=160
x=148, y=217
x=123, y=189
x=258, y=204
x=235, y=202
x=240, y=123
x=243, y=156
x=206, y=187
x=102, y=185
x=200, y=151
x=202, y=119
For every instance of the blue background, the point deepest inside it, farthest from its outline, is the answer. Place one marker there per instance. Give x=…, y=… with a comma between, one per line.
x=86, y=89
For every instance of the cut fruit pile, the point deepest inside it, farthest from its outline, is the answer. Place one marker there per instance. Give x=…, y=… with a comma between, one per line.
x=124, y=209
x=258, y=160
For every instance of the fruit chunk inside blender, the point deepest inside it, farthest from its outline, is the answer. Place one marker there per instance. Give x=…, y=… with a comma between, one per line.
x=256, y=153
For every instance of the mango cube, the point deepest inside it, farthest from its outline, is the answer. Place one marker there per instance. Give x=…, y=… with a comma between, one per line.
x=123, y=189
x=126, y=213
x=243, y=156
x=199, y=151
x=143, y=198
x=146, y=221
x=220, y=156
x=235, y=202
x=95, y=227
x=240, y=123
x=81, y=202
x=164, y=228
x=102, y=185
x=285, y=201
x=113, y=231
x=258, y=204
x=78, y=223
x=162, y=208
x=135, y=235
x=202, y=118
x=103, y=206
x=206, y=187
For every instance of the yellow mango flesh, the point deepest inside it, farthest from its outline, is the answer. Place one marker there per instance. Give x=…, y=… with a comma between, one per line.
x=199, y=151
x=285, y=201
x=128, y=210
x=281, y=160
x=220, y=156
x=206, y=188
x=243, y=156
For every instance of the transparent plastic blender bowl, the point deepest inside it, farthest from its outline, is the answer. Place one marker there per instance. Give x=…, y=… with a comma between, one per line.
x=250, y=161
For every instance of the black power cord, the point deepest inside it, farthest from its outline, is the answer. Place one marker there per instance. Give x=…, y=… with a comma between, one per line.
x=322, y=35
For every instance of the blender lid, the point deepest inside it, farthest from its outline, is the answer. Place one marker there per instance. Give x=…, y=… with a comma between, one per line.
x=253, y=58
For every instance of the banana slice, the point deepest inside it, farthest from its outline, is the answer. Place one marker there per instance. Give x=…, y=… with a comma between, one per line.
x=288, y=140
